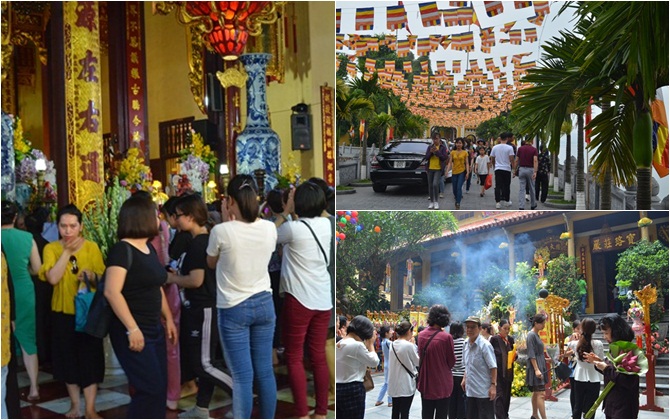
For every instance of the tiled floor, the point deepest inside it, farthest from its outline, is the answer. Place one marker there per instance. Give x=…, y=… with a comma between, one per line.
x=113, y=399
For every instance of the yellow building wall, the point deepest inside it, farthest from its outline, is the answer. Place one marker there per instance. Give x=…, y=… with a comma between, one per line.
x=29, y=108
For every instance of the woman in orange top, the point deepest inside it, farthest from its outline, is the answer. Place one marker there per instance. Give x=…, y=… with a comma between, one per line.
x=459, y=163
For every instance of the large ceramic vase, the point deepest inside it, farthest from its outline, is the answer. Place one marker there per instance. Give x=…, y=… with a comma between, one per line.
x=257, y=145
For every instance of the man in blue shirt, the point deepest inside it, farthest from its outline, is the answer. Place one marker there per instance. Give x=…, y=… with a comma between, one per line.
x=481, y=371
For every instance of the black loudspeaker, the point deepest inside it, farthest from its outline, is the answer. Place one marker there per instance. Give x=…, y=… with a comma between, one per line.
x=301, y=128
x=214, y=93
x=208, y=132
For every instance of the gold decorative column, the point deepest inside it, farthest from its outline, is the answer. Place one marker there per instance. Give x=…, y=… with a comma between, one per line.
x=81, y=40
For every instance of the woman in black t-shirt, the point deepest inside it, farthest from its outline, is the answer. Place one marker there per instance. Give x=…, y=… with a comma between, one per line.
x=199, y=332
x=134, y=278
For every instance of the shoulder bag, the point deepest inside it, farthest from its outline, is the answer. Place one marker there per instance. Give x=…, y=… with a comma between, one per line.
x=411, y=375
x=368, y=383
x=100, y=313
x=423, y=357
x=82, y=305
x=317, y=241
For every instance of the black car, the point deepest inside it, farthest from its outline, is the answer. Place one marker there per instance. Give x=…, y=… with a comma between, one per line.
x=401, y=162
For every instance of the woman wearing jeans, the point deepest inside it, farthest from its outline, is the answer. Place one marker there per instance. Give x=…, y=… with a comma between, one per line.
x=305, y=284
x=436, y=155
x=459, y=163
x=240, y=249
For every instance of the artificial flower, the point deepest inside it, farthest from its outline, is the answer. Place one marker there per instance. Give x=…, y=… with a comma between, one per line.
x=645, y=221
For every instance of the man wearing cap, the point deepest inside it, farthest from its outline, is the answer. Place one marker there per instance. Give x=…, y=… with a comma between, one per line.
x=481, y=372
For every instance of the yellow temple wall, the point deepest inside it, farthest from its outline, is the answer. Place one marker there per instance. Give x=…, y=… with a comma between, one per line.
x=29, y=108
x=168, y=91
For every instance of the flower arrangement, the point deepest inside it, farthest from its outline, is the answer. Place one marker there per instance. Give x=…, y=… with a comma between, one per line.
x=157, y=193
x=645, y=221
x=101, y=219
x=627, y=359
x=661, y=346
x=198, y=149
x=22, y=146
x=290, y=173
x=519, y=388
x=635, y=310
x=133, y=173
x=565, y=236
x=196, y=170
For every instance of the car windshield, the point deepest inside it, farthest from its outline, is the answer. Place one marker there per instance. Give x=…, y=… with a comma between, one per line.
x=406, y=147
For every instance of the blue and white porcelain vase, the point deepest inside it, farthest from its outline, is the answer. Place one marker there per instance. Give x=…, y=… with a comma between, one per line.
x=258, y=146
x=8, y=177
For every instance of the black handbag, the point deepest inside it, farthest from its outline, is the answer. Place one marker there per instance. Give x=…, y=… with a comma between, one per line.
x=563, y=371
x=100, y=313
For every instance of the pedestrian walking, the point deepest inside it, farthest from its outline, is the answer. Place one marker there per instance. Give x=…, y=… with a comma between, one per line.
x=436, y=155
x=502, y=160
x=483, y=168
x=404, y=359
x=436, y=352
x=526, y=162
x=537, y=375
x=459, y=163
x=481, y=372
x=542, y=178
x=502, y=344
x=457, y=399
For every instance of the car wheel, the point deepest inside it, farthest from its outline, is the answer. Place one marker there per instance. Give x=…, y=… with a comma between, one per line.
x=378, y=188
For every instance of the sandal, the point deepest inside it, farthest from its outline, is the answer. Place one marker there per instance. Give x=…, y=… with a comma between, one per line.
x=378, y=403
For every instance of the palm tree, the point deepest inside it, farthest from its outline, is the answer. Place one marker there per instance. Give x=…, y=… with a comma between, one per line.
x=634, y=38
x=383, y=122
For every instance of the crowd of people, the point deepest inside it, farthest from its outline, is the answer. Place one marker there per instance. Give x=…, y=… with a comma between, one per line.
x=466, y=369
x=201, y=297
x=502, y=162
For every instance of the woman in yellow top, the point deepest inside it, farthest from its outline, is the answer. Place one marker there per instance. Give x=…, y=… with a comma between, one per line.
x=78, y=358
x=459, y=163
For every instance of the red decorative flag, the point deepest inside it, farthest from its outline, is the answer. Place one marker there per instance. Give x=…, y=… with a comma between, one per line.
x=515, y=37
x=430, y=15
x=660, y=138
x=493, y=8
x=531, y=34
x=522, y=4
x=542, y=8
x=365, y=19
x=396, y=18
x=338, y=19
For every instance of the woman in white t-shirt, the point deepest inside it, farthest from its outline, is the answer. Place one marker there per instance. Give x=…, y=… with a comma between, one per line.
x=483, y=168
x=403, y=360
x=354, y=354
x=305, y=285
x=587, y=378
x=240, y=250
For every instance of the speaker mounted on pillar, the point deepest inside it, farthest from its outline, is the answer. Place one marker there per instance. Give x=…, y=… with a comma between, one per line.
x=301, y=127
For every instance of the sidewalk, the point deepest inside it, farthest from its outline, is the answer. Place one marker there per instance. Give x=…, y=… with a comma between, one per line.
x=520, y=407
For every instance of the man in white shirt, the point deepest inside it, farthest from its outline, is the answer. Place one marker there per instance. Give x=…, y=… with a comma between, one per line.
x=502, y=159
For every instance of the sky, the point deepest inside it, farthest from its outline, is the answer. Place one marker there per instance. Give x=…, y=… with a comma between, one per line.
x=553, y=23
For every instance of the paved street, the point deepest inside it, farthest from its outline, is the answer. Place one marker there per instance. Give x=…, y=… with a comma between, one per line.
x=520, y=407
x=411, y=197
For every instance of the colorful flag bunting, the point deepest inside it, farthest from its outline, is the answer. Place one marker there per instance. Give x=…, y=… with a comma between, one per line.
x=389, y=65
x=536, y=19
x=361, y=48
x=660, y=138
x=373, y=45
x=423, y=46
x=430, y=15
x=441, y=67
x=396, y=18
x=424, y=65
x=446, y=41
x=493, y=8
x=403, y=48
x=450, y=17
x=506, y=27
x=531, y=34
x=352, y=70
x=412, y=41
x=458, y=3
x=456, y=66
x=407, y=66
x=365, y=18
x=339, y=41
x=489, y=64
x=474, y=65
x=464, y=15
x=542, y=8
x=522, y=4
x=338, y=19
x=503, y=60
x=515, y=37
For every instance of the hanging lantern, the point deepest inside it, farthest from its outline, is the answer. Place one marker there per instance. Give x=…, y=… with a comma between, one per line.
x=226, y=25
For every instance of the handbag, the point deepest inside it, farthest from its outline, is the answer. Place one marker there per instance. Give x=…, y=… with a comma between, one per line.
x=82, y=304
x=317, y=241
x=489, y=182
x=562, y=370
x=423, y=357
x=368, y=383
x=100, y=313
